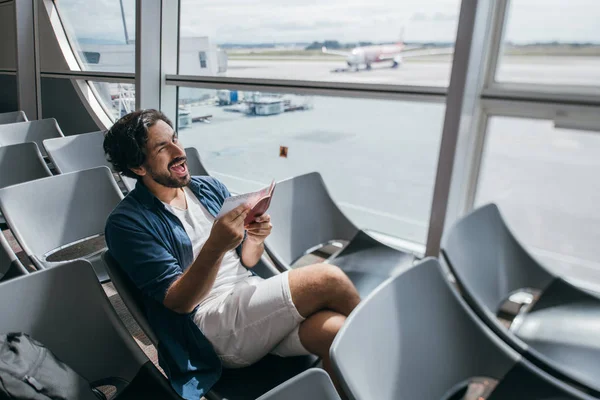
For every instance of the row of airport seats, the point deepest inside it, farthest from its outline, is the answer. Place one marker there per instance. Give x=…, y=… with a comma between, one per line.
x=433, y=331
x=23, y=161
x=414, y=335
x=12, y=117
x=553, y=323
x=46, y=213
x=64, y=307
x=47, y=135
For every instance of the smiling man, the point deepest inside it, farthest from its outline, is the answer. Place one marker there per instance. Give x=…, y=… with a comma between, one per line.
x=193, y=268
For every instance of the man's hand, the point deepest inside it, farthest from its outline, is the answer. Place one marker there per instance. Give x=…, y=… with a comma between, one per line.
x=259, y=229
x=228, y=231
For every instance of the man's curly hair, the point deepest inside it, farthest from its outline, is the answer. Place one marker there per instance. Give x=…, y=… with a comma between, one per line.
x=125, y=142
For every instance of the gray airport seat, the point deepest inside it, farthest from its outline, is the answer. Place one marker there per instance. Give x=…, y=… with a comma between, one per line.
x=193, y=163
x=313, y=384
x=305, y=217
x=12, y=117
x=560, y=331
x=21, y=163
x=66, y=309
x=235, y=384
x=415, y=338
x=32, y=131
x=10, y=266
x=48, y=214
x=77, y=152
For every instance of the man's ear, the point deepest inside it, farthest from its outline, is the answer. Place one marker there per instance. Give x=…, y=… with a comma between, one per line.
x=140, y=171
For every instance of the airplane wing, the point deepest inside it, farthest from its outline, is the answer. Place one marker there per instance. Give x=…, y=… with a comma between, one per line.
x=427, y=52
x=334, y=52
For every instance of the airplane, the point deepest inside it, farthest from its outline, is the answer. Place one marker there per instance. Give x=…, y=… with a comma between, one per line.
x=368, y=55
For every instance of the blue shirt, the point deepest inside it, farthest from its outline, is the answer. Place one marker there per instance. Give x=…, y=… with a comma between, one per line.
x=151, y=245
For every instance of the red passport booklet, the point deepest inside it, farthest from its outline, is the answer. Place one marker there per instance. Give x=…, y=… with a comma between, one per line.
x=259, y=201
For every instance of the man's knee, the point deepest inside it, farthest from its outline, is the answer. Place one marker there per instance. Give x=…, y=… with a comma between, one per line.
x=320, y=286
x=331, y=278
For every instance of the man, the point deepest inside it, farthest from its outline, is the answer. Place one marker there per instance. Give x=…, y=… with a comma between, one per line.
x=191, y=266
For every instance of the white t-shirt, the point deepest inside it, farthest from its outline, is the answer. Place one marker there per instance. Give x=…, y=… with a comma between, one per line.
x=198, y=222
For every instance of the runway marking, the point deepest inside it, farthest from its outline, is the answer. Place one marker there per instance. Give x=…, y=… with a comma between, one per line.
x=237, y=178
x=384, y=214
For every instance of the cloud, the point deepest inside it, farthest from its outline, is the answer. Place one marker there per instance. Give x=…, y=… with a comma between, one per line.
x=256, y=21
x=437, y=16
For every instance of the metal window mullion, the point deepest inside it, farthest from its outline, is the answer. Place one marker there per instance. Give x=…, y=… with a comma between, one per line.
x=401, y=95
x=535, y=110
x=478, y=154
x=169, y=57
x=571, y=117
x=496, y=41
x=194, y=80
x=459, y=135
x=28, y=79
x=583, y=96
x=38, y=60
x=147, y=53
x=464, y=184
x=91, y=76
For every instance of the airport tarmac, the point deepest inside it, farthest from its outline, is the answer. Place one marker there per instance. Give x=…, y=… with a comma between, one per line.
x=434, y=71
x=379, y=157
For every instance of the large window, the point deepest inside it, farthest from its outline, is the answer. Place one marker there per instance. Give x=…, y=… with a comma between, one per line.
x=382, y=41
x=545, y=181
x=100, y=33
x=555, y=42
x=377, y=157
x=117, y=99
x=542, y=173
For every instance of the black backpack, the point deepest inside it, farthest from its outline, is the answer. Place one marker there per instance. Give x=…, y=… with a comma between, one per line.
x=28, y=370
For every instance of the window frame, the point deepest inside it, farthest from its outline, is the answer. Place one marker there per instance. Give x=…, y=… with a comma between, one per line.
x=484, y=96
x=81, y=79
x=528, y=91
x=559, y=113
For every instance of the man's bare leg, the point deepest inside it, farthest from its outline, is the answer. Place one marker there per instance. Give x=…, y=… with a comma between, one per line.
x=325, y=296
x=317, y=333
x=322, y=286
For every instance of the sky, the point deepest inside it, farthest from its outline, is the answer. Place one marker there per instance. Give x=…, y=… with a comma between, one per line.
x=277, y=21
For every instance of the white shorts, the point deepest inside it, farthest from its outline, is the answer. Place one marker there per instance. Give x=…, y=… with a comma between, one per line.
x=257, y=318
